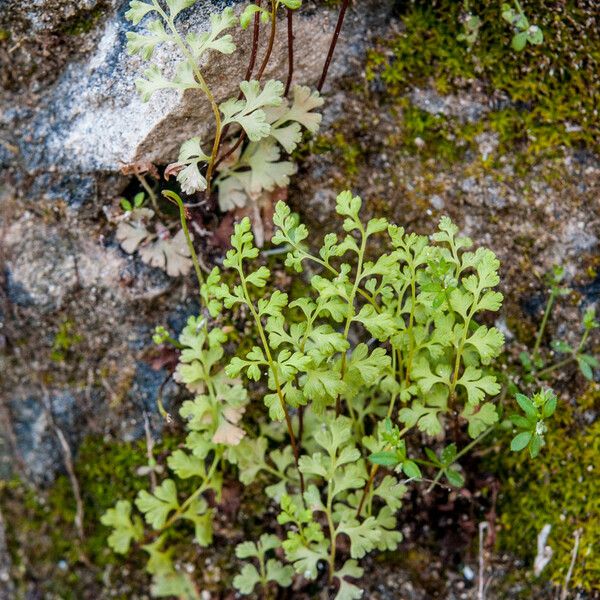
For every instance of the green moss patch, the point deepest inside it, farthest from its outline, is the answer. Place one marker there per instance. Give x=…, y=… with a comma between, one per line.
x=559, y=488
x=43, y=539
x=552, y=90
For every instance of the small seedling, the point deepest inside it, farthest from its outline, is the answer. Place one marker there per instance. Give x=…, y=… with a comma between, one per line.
x=524, y=32
x=532, y=426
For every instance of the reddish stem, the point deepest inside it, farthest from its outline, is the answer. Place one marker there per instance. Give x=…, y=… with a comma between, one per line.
x=374, y=469
x=265, y=61
x=300, y=424
x=336, y=35
x=232, y=149
x=290, y=30
x=251, y=64
x=255, y=36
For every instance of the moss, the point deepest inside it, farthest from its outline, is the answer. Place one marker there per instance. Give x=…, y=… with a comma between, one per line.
x=65, y=339
x=553, y=89
x=432, y=135
x=560, y=488
x=43, y=540
x=84, y=22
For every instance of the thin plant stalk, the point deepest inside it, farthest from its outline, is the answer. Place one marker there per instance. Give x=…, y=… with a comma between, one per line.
x=269, y=357
x=334, y=39
x=183, y=216
x=271, y=41
x=151, y=193
x=361, y=255
x=538, y=339
x=290, y=45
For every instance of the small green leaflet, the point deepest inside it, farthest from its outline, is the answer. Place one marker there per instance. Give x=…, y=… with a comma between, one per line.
x=249, y=113
x=479, y=417
x=156, y=507
x=144, y=45
x=200, y=43
x=125, y=530
x=347, y=590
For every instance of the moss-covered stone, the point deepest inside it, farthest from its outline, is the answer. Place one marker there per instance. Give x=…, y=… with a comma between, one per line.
x=559, y=488
x=43, y=539
x=552, y=89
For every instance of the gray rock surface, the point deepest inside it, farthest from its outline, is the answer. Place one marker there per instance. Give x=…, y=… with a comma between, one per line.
x=92, y=119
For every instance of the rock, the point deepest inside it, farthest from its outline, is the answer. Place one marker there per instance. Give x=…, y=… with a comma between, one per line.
x=437, y=202
x=93, y=120
x=37, y=444
x=461, y=107
x=46, y=264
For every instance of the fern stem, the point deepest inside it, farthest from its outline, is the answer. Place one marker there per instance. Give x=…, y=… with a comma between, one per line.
x=183, y=216
x=151, y=193
x=334, y=39
x=411, y=320
x=361, y=256
x=374, y=469
x=332, y=530
x=255, y=37
x=290, y=45
x=269, y=50
x=263, y=338
x=463, y=340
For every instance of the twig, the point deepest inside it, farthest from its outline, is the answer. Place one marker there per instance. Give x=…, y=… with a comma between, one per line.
x=565, y=590
x=68, y=461
x=290, y=31
x=334, y=39
x=481, y=579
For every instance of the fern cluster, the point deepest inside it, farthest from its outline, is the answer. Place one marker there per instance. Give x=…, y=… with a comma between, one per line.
x=255, y=132
x=375, y=351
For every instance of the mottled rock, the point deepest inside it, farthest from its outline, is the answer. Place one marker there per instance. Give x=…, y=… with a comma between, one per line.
x=463, y=108
x=92, y=119
x=6, y=585
x=37, y=444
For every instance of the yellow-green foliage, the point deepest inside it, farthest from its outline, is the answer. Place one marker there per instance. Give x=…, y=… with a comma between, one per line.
x=554, y=88
x=561, y=487
x=65, y=339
